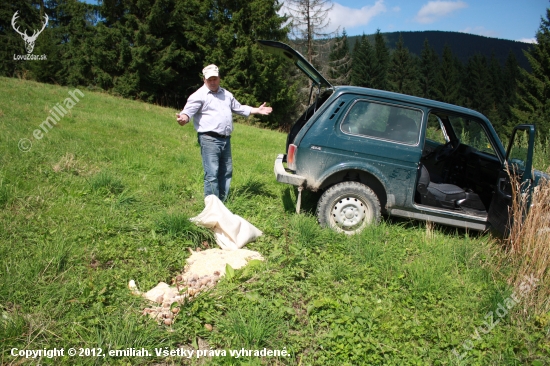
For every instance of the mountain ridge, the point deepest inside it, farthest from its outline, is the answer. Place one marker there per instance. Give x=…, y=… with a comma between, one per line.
x=463, y=45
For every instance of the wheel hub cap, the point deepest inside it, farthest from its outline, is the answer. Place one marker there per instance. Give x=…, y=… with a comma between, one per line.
x=348, y=213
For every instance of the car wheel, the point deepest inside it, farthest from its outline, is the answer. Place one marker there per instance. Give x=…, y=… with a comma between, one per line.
x=348, y=207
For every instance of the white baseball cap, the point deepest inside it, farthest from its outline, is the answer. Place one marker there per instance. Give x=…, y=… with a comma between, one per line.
x=210, y=70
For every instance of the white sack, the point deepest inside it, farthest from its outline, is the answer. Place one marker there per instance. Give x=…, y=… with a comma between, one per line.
x=232, y=231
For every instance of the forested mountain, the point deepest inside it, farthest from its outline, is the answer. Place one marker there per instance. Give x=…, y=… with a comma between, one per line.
x=463, y=45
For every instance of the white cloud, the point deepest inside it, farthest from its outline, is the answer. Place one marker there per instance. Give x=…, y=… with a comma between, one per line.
x=528, y=40
x=435, y=10
x=480, y=31
x=343, y=17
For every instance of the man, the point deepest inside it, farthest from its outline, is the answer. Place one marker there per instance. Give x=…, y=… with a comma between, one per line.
x=212, y=108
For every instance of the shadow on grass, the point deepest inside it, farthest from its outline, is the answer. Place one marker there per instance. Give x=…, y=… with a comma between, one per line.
x=443, y=229
x=252, y=188
x=309, y=200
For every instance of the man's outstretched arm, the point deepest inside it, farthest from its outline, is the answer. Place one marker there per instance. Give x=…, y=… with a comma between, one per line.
x=263, y=110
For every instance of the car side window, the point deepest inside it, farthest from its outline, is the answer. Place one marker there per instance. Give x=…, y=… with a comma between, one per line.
x=517, y=155
x=471, y=133
x=385, y=121
x=435, y=130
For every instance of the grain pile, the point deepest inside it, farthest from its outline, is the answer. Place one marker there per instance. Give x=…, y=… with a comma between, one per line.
x=202, y=271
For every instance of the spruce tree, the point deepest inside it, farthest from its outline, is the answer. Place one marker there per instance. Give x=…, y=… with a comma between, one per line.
x=363, y=63
x=403, y=72
x=339, y=71
x=509, y=85
x=533, y=96
x=382, y=63
x=74, y=34
x=448, y=78
x=356, y=62
x=429, y=68
x=496, y=86
x=477, y=88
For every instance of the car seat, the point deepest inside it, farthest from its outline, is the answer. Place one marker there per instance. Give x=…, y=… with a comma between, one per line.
x=447, y=196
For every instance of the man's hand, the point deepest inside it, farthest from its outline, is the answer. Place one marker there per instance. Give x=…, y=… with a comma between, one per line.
x=263, y=110
x=182, y=119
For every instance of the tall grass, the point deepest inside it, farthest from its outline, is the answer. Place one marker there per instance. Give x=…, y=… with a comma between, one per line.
x=541, y=157
x=527, y=246
x=541, y=154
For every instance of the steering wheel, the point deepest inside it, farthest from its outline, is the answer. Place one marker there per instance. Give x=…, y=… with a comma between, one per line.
x=445, y=151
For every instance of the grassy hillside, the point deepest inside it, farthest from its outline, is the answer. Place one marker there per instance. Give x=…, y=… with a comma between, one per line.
x=104, y=196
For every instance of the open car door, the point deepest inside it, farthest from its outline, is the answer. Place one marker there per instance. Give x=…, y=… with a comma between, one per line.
x=518, y=162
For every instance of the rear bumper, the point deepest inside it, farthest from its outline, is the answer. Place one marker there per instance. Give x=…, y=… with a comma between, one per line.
x=284, y=176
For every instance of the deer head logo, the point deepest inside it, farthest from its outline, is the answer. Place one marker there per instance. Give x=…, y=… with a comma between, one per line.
x=29, y=40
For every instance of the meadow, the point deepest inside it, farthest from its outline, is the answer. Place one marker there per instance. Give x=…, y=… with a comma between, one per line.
x=103, y=196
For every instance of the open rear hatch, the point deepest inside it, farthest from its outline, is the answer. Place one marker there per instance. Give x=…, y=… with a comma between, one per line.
x=318, y=82
x=279, y=48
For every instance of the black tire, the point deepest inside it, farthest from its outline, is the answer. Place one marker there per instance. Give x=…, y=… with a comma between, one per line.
x=348, y=207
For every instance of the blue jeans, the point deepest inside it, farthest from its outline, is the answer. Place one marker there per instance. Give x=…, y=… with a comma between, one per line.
x=217, y=164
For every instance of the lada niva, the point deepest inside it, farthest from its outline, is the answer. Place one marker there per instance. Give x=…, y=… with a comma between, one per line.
x=373, y=152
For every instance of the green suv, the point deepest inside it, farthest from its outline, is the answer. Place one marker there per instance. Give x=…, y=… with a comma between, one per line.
x=373, y=152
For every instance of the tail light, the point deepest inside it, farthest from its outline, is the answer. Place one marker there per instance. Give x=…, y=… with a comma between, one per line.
x=290, y=157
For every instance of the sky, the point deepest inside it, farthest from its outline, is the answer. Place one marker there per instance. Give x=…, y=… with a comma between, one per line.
x=516, y=20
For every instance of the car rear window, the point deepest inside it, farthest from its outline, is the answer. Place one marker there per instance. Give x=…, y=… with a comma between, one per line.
x=390, y=122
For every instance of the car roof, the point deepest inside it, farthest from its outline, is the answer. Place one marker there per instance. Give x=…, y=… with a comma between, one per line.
x=434, y=104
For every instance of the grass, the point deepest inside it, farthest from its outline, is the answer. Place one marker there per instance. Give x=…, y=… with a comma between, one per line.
x=106, y=183
x=105, y=195
x=250, y=329
x=175, y=224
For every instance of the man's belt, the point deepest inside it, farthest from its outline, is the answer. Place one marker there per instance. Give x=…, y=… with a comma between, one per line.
x=214, y=134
